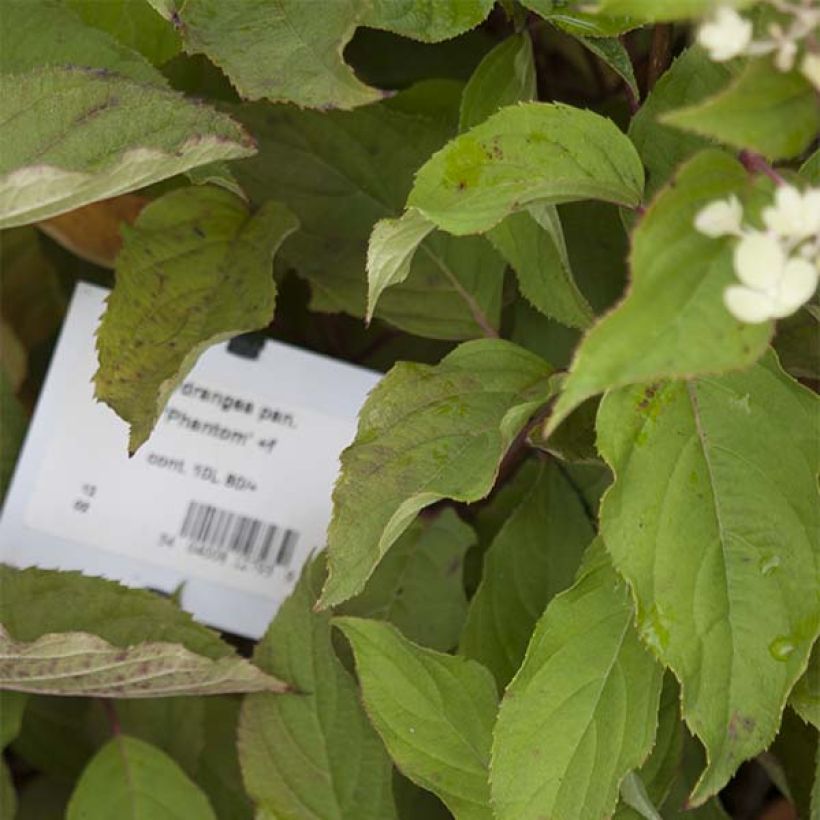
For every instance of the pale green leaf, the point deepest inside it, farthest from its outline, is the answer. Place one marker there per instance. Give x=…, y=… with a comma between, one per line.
x=674, y=312
x=195, y=269
x=109, y=135
x=710, y=520
x=33, y=604
x=532, y=242
x=634, y=795
x=582, y=709
x=135, y=24
x=427, y=20
x=566, y=15
x=613, y=52
x=130, y=778
x=522, y=154
x=78, y=663
x=48, y=33
x=533, y=557
x=435, y=713
x=427, y=433
x=691, y=78
x=341, y=172
x=311, y=754
x=418, y=585
x=805, y=697
x=505, y=76
x=774, y=113
x=390, y=252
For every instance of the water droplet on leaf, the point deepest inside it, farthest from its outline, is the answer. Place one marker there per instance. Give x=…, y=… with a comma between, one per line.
x=769, y=563
x=781, y=648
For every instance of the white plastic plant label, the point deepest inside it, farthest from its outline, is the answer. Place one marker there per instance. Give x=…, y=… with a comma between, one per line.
x=228, y=497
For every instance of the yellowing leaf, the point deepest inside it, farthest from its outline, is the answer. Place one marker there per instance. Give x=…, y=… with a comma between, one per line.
x=194, y=269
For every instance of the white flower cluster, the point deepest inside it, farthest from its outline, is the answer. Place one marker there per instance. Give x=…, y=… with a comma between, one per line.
x=727, y=35
x=778, y=267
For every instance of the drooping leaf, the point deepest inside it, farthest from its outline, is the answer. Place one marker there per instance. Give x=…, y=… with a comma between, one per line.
x=426, y=433
x=340, y=173
x=505, y=76
x=582, y=709
x=109, y=136
x=49, y=33
x=532, y=242
x=129, y=777
x=710, y=521
x=311, y=753
x=135, y=25
x=534, y=557
x=674, y=312
x=435, y=713
x=568, y=17
x=195, y=269
x=418, y=585
x=285, y=52
x=78, y=663
x=523, y=154
x=805, y=697
x=35, y=602
x=613, y=52
x=93, y=231
x=774, y=113
x=691, y=78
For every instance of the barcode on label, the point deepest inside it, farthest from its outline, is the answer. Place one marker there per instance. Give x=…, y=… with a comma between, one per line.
x=258, y=542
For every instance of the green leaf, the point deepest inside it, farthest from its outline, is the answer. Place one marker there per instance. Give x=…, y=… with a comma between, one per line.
x=774, y=113
x=340, y=173
x=676, y=806
x=311, y=754
x=194, y=270
x=533, y=557
x=33, y=604
x=805, y=697
x=796, y=343
x=426, y=433
x=790, y=762
x=653, y=11
x=434, y=712
x=691, y=78
x=505, y=76
x=48, y=33
x=110, y=135
x=129, y=777
x=136, y=25
x=810, y=169
x=78, y=663
x=283, y=51
x=418, y=585
x=523, y=154
x=674, y=312
x=8, y=796
x=634, y=795
x=532, y=242
x=566, y=16
x=12, y=706
x=710, y=521
x=613, y=52
x=43, y=798
x=582, y=709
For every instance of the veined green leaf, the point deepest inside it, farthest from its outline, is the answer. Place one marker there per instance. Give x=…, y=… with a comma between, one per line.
x=774, y=113
x=129, y=777
x=613, y=52
x=108, y=136
x=505, y=76
x=582, y=709
x=532, y=242
x=341, y=172
x=534, y=557
x=78, y=663
x=435, y=713
x=195, y=269
x=674, y=312
x=710, y=520
x=427, y=433
x=48, y=33
x=526, y=153
x=805, y=697
x=691, y=78
x=565, y=15
x=282, y=50
x=418, y=585
x=312, y=753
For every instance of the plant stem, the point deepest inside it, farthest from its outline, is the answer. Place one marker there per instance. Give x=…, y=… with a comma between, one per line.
x=756, y=164
x=659, y=53
x=111, y=712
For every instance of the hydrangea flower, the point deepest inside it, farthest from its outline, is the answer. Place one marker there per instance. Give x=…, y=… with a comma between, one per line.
x=726, y=35
x=720, y=218
x=794, y=214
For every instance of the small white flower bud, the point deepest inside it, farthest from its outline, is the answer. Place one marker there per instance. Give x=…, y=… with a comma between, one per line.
x=726, y=35
x=794, y=215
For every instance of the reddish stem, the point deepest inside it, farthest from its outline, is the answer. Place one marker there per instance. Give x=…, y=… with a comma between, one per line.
x=757, y=165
